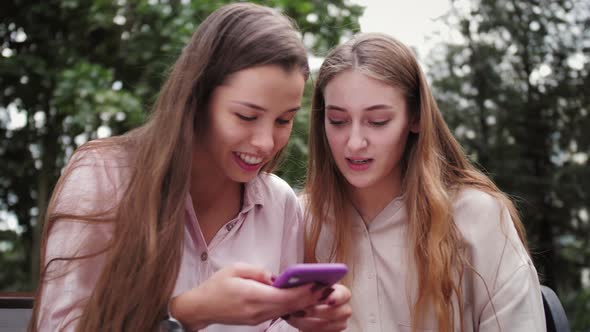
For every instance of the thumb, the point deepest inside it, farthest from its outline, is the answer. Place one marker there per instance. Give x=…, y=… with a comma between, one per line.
x=247, y=271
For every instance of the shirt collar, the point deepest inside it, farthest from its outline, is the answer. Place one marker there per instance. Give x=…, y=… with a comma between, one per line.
x=253, y=195
x=388, y=214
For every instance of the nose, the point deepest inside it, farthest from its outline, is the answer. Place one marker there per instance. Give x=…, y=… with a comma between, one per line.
x=357, y=140
x=263, y=140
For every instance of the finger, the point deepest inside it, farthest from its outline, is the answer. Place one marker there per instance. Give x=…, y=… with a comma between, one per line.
x=317, y=325
x=304, y=323
x=288, y=301
x=251, y=272
x=339, y=296
x=329, y=312
x=302, y=297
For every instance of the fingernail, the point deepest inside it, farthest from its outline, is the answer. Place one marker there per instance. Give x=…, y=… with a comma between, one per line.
x=299, y=313
x=316, y=287
x=273, y=278
x=326, y=293
x=286, y=317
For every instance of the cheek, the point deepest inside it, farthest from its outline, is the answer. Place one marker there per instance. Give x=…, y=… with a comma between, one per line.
x=227, y=136
x=393, y=141
x=224, y=134
x=218, y=127
x=281, y=137
x=336, y=139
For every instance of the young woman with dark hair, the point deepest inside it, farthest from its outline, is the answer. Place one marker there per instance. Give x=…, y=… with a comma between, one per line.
x=181, y=216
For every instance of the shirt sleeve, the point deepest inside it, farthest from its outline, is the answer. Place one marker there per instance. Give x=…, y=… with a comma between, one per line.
x=86, y=188
x=516, y=305
x=506, y=294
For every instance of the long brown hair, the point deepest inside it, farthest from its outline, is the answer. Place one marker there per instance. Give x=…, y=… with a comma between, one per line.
x=142, y=259
x=434, y=167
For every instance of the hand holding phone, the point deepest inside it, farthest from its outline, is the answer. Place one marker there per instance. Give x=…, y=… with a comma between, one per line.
x=321, y=273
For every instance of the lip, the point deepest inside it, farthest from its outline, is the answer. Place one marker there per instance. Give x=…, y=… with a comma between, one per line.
x=359, y=167
x=247, y=167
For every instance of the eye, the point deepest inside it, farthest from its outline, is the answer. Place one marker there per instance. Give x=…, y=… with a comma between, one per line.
x=335, y=122
x=246, y=118
x=379, y=123
x=283, y=121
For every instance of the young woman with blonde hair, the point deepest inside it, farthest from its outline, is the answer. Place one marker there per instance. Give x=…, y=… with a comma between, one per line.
x=181, y=216
x=433, y=244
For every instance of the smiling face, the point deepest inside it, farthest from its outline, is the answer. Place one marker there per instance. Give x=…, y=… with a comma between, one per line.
x=367, y=126
x=250, y=120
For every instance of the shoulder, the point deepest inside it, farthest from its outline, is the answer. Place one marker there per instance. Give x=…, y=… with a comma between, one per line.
x=93, y=178
x=484, y=220
x=99, y=165
x=479, y=214
x=100, y=153
x=488, y=232
x=499, y=264
x=303, y=198
x=472, y=200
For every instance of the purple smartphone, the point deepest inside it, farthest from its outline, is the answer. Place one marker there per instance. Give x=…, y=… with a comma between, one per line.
x=300, y=274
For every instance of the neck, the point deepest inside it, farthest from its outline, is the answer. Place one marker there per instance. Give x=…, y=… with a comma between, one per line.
x=208, y=183
x=216, y=198
x=370, y=201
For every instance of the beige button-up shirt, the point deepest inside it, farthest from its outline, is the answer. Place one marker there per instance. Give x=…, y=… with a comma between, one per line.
x=267, y=232
x=504, y=294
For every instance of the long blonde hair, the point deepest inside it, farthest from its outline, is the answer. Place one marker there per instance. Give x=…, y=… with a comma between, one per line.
x=434, y=167
x=142, y=259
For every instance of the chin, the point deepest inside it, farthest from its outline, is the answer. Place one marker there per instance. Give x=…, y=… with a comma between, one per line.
x=244, y=178
x=359, y=183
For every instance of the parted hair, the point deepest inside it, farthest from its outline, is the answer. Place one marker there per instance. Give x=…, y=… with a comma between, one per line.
x=434, y=167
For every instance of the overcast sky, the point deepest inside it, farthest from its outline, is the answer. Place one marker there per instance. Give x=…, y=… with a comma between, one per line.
x=412, y=22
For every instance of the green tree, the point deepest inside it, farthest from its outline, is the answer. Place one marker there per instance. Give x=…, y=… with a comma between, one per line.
x=514, y=88
x=74, y=70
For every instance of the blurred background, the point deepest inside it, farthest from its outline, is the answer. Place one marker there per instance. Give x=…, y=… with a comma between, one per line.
x=510, y=76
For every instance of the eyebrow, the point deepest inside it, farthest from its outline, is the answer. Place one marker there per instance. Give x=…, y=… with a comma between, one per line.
x=260, y=108
x=370, y=108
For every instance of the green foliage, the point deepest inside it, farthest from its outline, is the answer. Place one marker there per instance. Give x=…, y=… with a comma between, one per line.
x=84, y=94
x=515, y=92
x=71, y=68
x=578, y=305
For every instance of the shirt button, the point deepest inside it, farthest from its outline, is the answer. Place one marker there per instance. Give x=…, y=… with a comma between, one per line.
x=229, y=227
x=204, y=256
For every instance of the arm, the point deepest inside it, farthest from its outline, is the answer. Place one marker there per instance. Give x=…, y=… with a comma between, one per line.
x=506, y=290
x=68, y=284
x=240, y=294
x=248, y=287
x=84, y=189
x=516, y=305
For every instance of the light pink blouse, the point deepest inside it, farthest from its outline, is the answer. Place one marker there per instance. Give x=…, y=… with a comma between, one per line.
x=267, y=232
x=501, y=293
